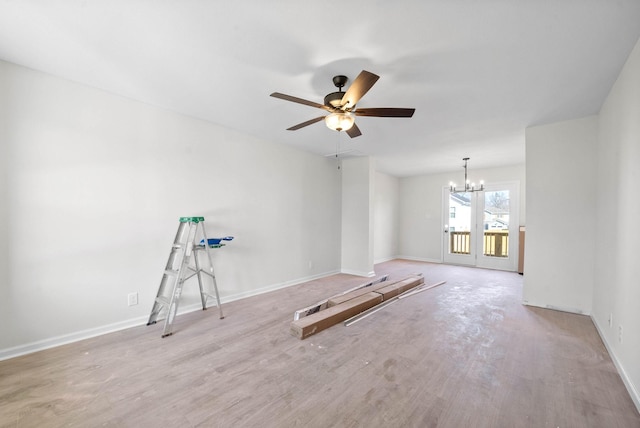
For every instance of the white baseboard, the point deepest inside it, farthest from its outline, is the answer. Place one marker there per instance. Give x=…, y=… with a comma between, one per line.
x=386, y=259
x=52, y=342
x=633, y=391
x=555, y=308
x=420, y=259
x=273, y=287
x=358, y=273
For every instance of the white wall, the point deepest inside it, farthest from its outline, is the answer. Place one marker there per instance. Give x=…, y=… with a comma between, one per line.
x=358, y=175
x=92, y=189
x=386, y=217
x=421, y=231
x=561, y=203
x=617, y=283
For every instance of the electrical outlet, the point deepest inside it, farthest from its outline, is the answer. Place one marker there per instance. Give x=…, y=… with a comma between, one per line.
x=620, y=333
x=132, y=299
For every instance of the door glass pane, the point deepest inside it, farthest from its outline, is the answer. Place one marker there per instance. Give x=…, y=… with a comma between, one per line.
x=496, y=224
x=459, y=223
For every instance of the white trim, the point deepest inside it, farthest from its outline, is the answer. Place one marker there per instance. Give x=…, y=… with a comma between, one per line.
x=358, y=273
x=555, y=308
x=419, y=259
x=53, y=342
x=386, y=259
x=272, y=287
x=77, y=336
x=633, y=391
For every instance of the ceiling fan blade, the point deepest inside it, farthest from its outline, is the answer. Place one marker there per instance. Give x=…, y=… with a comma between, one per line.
x=354, y=131
x=385, y=112
x=358, y=88
x=299, y=100
x=307, y=123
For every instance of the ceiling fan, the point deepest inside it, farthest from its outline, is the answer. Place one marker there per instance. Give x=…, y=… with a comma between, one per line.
x=342, y=105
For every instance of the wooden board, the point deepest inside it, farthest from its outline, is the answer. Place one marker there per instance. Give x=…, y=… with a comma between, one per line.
x=521, y=250
x=399, y=287
x=319, y=321
x=389, y=300
x=323, y=304
x=414, y=280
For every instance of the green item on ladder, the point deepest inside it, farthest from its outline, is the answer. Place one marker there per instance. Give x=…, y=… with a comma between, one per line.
x=183, y=264
x=191, y=219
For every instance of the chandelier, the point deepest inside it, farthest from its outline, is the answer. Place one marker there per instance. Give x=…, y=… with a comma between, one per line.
x=468, y=186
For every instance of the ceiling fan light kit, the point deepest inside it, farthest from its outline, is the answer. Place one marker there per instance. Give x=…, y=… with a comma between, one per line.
x=342, y=105
x=340, y=121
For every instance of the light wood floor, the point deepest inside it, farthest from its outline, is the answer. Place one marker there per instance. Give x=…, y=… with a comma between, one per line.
x=465, y=354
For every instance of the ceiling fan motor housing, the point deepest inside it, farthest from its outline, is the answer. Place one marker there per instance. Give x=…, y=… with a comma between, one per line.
x=333, y=99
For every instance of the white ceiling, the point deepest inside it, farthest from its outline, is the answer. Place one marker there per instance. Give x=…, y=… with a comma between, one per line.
x=477, y=72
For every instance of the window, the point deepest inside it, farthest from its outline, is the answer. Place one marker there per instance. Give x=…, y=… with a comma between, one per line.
x=452, y=212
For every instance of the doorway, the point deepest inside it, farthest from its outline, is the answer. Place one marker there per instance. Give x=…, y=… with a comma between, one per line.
x=480, y=228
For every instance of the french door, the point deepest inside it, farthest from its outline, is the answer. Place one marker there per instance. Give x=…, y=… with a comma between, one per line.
x=481, y=228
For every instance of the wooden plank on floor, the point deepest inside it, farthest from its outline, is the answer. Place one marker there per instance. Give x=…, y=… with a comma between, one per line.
x=323, y=304
x=406, y=283
x=319, y=321
x=387, y=301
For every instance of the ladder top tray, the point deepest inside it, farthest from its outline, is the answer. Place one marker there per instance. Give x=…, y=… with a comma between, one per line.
x=191, y=219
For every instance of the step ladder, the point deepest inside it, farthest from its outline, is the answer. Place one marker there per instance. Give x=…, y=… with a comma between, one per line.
x=182, y=265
